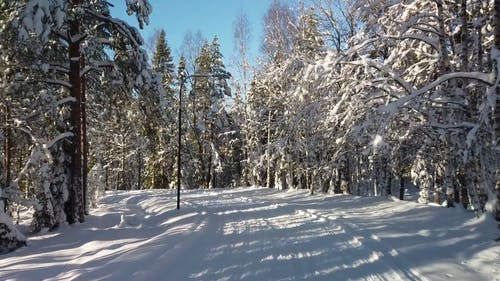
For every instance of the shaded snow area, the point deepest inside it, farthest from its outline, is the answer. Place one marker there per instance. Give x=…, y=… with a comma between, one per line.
x=261, y=234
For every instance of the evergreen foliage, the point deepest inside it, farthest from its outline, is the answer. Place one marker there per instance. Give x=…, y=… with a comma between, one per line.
x=54, y=54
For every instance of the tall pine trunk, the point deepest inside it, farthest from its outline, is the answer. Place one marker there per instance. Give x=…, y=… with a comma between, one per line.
x=84, y=144
x=7, y=153
x=443, y=63
x=497, y=108
x=401, y=187
x=479, y=42
x=74, y=206
x=497, y=68
x=139, y=170
x=464, y=37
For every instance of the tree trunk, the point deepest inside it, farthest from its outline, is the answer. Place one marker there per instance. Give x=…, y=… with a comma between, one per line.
x=84, y=144
x=443, y=61
x=479, y=41
x=456, y=189
x=437, y=187
x=463, y=194
x=139, y=171
x=268, y=151
x=346, y=189
x=209, y=172
x=154, y=176
x=121, y=181
x=358, y=171
x=7, y=147
x=309, y=180
x=106, y=177
x=464, y=38
x=74, y=206
x=375, y=177
x=497, y=69
x=337, y=189
x=449, y=188
x=401, y=188
x=497, y=108
x=388, y=188
x=7, y=154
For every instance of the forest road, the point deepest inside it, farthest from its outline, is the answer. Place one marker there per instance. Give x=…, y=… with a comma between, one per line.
x=260, y=234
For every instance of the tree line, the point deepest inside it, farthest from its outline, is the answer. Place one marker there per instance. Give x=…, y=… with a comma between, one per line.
x=367, y=97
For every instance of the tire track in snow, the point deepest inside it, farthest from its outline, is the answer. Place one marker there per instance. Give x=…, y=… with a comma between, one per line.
x=390, y=253
x=172, y=249
x=311, y=217
x=271, y=236
x=193, y=243
x=375, y=249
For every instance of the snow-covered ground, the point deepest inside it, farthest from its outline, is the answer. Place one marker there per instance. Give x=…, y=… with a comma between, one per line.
x=261, y=234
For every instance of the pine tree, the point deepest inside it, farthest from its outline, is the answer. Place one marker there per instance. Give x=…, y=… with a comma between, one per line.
x=75, y=24
x=162, y=61
x=209, y=114
x=309, y=41
x=159, y=119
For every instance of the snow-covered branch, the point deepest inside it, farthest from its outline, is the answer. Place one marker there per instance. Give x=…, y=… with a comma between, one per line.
x=65, y=100
x=58, y=82
x=96, y=66
x=487, y=78
x=53, y=141
x=453, y=126
x=121, y=26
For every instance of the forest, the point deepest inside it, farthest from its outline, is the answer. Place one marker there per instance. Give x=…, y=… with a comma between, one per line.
x=348, y=97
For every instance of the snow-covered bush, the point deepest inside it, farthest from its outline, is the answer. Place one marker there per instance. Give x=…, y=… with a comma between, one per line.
x=10, y=237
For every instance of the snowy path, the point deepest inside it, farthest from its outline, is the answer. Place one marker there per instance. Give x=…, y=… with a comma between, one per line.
x=261, y=234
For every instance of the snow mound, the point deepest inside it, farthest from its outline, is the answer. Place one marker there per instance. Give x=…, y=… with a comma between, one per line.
x=131, y=220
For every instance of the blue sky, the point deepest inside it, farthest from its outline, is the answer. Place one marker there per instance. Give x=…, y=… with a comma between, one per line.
x=214, y=17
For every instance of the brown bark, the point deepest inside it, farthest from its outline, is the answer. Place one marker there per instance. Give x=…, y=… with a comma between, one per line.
x=7, y=147
x=209, y=172
x=84, y=143
x=497, y=47
x=479, y=41
x=401, y=187
x=497, y=108
x=7, y=153
x=139, y=171
x=388, y=188
x=443, y=64
x=74, y=205
x=464, y=38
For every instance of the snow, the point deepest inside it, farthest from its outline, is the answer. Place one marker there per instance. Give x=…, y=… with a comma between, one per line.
x=4, y=219
x=378, y=142
x=261, y=234
x=488, y=78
